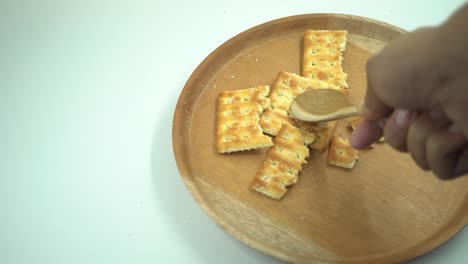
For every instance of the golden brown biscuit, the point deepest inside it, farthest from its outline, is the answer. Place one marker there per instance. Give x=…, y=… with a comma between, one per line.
x=283, y=162
x=323, y=132
x=284, y=89
x=323, y=56
x=341, y=153
x=238, y=119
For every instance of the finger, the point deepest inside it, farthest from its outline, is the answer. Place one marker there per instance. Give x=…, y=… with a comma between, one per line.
x=445, y=152
x=455, y=102
x=396, y=128
x=373, y=108
x=365, y=134
x=462, y=164
x=419, y=131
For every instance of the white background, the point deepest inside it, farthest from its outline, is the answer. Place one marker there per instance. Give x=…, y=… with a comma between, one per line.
x=87, y=94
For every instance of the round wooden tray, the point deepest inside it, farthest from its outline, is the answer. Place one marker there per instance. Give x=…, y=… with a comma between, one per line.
x=385, y=210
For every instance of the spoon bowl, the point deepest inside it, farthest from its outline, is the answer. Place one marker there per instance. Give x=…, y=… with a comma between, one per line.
x=322, y=105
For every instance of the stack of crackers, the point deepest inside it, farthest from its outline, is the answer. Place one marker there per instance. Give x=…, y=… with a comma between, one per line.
x=247, y=118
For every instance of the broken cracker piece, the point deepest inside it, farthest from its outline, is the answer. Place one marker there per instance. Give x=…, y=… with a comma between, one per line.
x=283, y=162
x=341, y=153
x=353, y=123
x=238, y=117
x=323, y=132
x=323, y=56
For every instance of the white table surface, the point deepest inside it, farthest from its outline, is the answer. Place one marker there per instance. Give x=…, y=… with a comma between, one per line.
x=87, y=95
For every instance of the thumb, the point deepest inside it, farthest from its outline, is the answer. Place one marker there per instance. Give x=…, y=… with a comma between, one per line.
x=373, y=108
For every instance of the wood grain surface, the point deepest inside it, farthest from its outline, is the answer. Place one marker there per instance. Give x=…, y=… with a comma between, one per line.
x=385, y=210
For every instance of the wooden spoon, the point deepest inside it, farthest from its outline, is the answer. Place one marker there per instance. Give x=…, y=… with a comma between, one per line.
x=322, y=105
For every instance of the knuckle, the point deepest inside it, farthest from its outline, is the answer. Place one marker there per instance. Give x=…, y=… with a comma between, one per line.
x=414, y=139
x=416, y=148
x=395, y=136
x=433, y=147
x=441, y=165
x=418, y=132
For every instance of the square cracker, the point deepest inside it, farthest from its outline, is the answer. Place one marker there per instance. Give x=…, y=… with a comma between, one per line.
x=341, y=153
x=285, y=88
x=323, y=56
x=238, y=119
x=283, y=162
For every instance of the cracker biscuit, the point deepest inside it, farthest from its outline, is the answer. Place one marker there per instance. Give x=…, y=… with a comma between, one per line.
x=341, y=153
x=283, y=162
x=323, y=56
x=284, y=89
x=238, y=119
x=323, y=132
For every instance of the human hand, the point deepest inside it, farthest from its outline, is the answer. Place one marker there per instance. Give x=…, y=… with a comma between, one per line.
x=417, y=97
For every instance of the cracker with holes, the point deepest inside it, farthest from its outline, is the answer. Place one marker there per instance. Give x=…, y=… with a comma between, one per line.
x=353, y=123
x=323, y=56
x=323, y=132
x=341, y=153
x=283, y=162
x=238, y=119
x=285, y=88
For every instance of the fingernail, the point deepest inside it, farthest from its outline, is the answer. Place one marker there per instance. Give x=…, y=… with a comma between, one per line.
x=403, y=117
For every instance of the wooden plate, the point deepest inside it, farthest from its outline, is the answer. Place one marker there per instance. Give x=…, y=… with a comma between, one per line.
x=385, y=210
